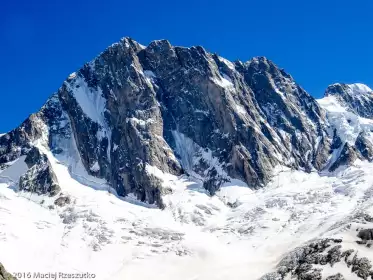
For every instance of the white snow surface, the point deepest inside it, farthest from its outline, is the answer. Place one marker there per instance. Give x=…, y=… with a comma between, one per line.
x=14, y=171
x=224, y=81
x=358, y=88
x=240, y=109
x=196, y=237
x=227, y=62
x=348, y=124
x=95, y=167
x=149, y=73
x=91, y=101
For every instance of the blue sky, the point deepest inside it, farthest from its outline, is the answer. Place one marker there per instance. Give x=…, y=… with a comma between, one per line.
x=42, y=41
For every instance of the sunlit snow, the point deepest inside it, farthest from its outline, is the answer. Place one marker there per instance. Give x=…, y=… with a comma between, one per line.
x=237, y=234
x=348, y=124
x=196, y=237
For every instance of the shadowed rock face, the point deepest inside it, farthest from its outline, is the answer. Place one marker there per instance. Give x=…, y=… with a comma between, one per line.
x=18, y=142
x=4, y=275
x=366, y=234
x=40, y=177
x=347, y=156
x=136, y=109
x=364, y=146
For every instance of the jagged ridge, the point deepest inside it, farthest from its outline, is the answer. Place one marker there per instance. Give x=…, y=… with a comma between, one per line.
x=134, y=111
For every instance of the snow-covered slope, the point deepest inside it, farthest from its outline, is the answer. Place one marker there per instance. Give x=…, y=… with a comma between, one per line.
x=350, y=123
x=357, y=98
x=237, y=234
x=165, y=162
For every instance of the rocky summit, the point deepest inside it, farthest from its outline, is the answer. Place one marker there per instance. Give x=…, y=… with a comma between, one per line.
x=179, y=110
x=228, y=168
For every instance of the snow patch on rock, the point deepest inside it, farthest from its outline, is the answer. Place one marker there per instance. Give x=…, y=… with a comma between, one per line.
x=348, y=124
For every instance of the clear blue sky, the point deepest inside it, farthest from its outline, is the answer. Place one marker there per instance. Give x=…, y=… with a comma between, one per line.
x=42, y=41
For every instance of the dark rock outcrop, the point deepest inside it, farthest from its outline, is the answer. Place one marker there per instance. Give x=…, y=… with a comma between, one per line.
x=62, y=201
x=306, y=263
x=17, y=142
x=366, y=234
x=346, y=157
x=336, y=142
x=337, y=276
x=364, y=146
x=40, y=177
x=4, y=275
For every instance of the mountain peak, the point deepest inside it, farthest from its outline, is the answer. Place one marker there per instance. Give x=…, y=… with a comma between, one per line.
x=162, y=43
x=355, y=89
x=259, y=60
x=197, y=135
x=356, y=98
x=144, y=100
x=360, y=88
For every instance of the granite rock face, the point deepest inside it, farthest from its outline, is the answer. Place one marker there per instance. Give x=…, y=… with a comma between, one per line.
x=40, y=177
x=186, y=110
x=18, y=142
x=135, y=112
